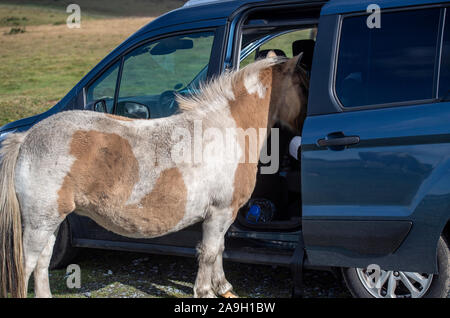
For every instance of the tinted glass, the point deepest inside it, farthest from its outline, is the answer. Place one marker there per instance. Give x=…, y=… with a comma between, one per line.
x=154, y=72
x=281, y=43
x=394, y=63
x=104, y=87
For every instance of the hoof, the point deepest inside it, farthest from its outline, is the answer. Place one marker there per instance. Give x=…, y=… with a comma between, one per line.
x=205, y=294
x=230, y=294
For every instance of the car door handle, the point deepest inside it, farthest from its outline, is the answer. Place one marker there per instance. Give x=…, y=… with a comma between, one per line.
x=340, y=141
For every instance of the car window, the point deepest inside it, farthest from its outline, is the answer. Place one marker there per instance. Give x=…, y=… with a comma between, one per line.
x=394, y=63
x=153, y=73
x=282, y=45
x=104, y=88
x=444, y=80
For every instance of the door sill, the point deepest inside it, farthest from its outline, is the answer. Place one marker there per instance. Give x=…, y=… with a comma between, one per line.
x=281, y=236
x=240, y=253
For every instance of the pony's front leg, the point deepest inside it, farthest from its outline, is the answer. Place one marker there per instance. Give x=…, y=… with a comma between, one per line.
x=220, y=284
x=215, y=226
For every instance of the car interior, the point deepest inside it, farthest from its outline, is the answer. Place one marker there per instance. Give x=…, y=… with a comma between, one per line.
x=275, y=204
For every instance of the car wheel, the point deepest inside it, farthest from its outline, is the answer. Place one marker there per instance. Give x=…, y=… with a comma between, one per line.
x=63, y=251
x=398, y=284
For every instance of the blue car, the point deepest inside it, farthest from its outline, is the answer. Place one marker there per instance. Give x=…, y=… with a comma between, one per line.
x=369, y=193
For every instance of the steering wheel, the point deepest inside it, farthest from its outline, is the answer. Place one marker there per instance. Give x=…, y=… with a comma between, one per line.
x=167, y=99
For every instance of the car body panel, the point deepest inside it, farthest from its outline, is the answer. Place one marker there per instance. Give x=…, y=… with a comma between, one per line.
x=398, y=171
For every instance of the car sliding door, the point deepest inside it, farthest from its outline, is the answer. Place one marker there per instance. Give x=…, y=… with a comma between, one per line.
x=375, y=154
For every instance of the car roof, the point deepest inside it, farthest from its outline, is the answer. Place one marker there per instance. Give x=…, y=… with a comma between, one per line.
x=201, y=10
x=349, y=6
x=198, y=10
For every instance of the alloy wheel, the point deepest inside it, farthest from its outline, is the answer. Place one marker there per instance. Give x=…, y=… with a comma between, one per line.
x=395, y=284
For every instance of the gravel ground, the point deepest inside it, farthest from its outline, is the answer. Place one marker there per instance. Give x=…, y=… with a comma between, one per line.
x=125, y=274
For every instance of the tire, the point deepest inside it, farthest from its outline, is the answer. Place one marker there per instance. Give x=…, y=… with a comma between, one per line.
x=63, y=251
x=437, y=288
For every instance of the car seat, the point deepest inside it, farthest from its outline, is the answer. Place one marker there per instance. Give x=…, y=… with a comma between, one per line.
x=307, y=47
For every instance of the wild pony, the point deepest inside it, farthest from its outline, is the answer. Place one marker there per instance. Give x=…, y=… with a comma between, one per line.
x=121, y=173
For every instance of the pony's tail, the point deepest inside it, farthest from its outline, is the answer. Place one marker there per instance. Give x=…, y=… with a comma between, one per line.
x=11, y=254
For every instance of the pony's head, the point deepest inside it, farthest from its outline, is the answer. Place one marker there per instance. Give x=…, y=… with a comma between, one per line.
x=290, y=86
x=244, y=92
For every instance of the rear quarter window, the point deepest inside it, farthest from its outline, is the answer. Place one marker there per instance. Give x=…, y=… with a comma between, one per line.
x=391, y=64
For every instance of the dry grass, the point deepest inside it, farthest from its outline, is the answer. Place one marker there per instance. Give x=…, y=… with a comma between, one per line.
x=118, y=8
x=38, y=67
x=41, y=65
x=13, y=16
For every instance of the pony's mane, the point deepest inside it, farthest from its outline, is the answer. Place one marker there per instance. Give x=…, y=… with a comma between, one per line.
x=216, y=93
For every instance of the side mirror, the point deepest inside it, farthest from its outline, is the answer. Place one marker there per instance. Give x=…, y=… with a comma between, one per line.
x=133, y=110
x=100, y=106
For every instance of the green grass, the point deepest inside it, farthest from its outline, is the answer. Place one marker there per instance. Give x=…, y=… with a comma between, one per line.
x=40, y=65
x=35, y=75
x=98, y=8
x=14, y=15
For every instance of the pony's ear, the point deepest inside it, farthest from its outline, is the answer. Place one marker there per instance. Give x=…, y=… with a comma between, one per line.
x=293, y=64
x=271, y=53
x=299, y=60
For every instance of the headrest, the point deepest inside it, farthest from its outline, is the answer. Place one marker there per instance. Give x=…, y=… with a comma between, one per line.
x=263, y=53
x=307, y=47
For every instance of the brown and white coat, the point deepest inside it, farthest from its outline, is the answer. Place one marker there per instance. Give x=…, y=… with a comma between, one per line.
x=121, y=173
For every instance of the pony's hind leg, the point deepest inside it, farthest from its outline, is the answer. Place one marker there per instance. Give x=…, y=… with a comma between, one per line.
x=37, y=246
x=215, y=226
x=41, y=279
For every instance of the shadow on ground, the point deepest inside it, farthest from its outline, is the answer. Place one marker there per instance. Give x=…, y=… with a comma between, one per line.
x=126, y=274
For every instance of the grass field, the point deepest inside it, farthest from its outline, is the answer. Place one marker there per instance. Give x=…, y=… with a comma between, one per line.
x=104, y=8
x=38, y=67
